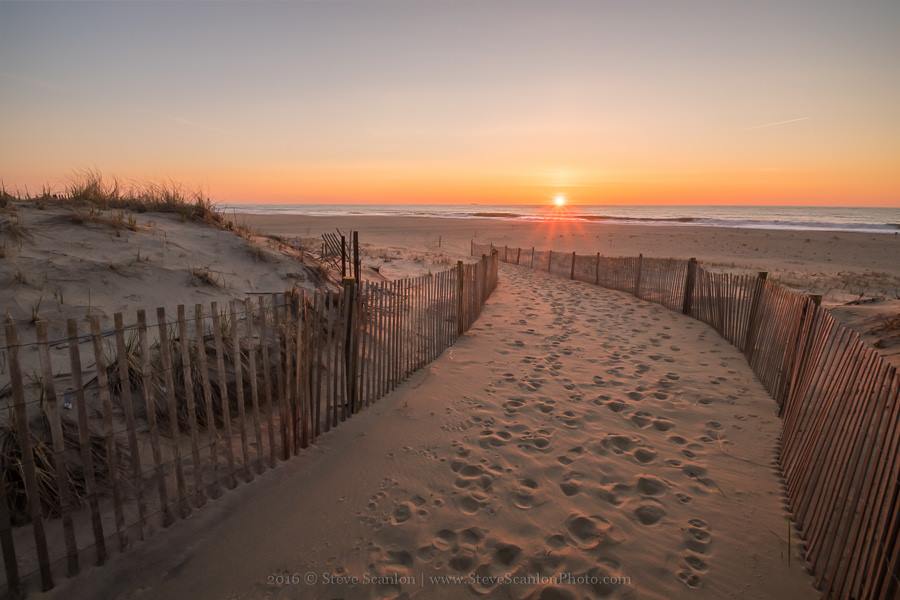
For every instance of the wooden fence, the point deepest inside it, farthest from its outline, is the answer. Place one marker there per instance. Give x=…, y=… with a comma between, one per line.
x=838, y=399
x=122, y=430
x=342, y=250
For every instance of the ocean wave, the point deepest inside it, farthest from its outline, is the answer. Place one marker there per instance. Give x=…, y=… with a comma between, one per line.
x=498, y=215
x=868, y=220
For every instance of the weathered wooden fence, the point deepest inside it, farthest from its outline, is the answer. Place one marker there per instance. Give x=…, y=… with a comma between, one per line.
x=119, y=430
x=838, y=399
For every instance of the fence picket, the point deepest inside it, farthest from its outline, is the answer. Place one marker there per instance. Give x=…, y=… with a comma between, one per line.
x=84, y=443
x=25, y=444
x=51, y=411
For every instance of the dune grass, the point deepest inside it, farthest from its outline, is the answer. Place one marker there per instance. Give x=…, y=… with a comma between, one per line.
x=90, y=189
x=115, y=220
x=11, y=465
x=206, y=276
x=12, y=228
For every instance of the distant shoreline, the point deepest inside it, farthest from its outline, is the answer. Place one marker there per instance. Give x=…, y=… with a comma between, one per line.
x=863, y=220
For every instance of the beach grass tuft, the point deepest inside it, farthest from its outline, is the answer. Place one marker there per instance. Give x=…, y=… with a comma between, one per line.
x=90, y=189
x=116, y=220
x=207, y=276
x=11, y=465
x=12, y=228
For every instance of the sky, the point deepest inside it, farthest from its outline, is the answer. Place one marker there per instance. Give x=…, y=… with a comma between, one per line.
x=428, y=101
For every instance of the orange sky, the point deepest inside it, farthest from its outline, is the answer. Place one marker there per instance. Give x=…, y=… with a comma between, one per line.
x=460, y=102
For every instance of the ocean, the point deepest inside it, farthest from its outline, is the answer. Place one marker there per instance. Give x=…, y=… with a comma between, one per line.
x=871, y=220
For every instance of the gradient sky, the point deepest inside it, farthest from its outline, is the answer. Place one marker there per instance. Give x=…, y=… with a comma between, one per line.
x=430, y=101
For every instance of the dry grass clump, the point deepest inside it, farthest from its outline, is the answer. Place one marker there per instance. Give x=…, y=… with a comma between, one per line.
x=258, y=253
x=887, y=324
x=11, y=465
x=158, y=392
x=90, y=188
x=116, y=220
x=207, y=276
x=242, y=230
x=5, y=197
x=12, y=228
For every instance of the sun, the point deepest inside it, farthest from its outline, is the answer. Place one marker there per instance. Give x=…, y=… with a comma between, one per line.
x=559, y=200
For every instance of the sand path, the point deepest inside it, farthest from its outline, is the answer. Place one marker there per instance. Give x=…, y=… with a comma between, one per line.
x=575, y=430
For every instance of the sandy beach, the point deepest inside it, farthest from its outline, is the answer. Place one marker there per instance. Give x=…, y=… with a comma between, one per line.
x=857, y=274
x=599, y=445
x=840, y=265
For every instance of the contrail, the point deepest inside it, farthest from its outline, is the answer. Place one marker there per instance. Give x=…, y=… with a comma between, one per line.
x=777, y=123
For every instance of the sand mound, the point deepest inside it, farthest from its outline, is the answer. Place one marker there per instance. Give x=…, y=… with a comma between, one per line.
x=61, y=260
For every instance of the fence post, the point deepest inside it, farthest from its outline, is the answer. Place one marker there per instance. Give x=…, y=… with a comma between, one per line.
x=8, y=544
x=484, y=263
x=87, y=458
x=32, y=495
x=572, y=270
x=343, y=256
x=532, y=257
x=460, y=302
x=637, y=277
x=549, y=260
x=356, y=264
x=800, y=355
x=750, y=335
x=472, y=247
x=687, y=304
x=459, y=298
x=349, y=285
x=793, y=357
x=505, y=253
x=597, y=271
x=51, y=413
x=518, y=255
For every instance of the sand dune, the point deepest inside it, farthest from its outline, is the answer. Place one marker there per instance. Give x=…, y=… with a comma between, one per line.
x=71, y=260
x=578, y=443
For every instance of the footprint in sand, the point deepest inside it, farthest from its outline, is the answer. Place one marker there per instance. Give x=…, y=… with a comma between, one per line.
x=644, y=455
x=696, y=541
x=472, y=502
x=650, y=485
x=525, y=494
x=587, y=532
x=663, y=424
x=649, y=512
x=571, y=483
x=641, y=418
x=471, y=475
x=489, y=438
x=537, y=441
